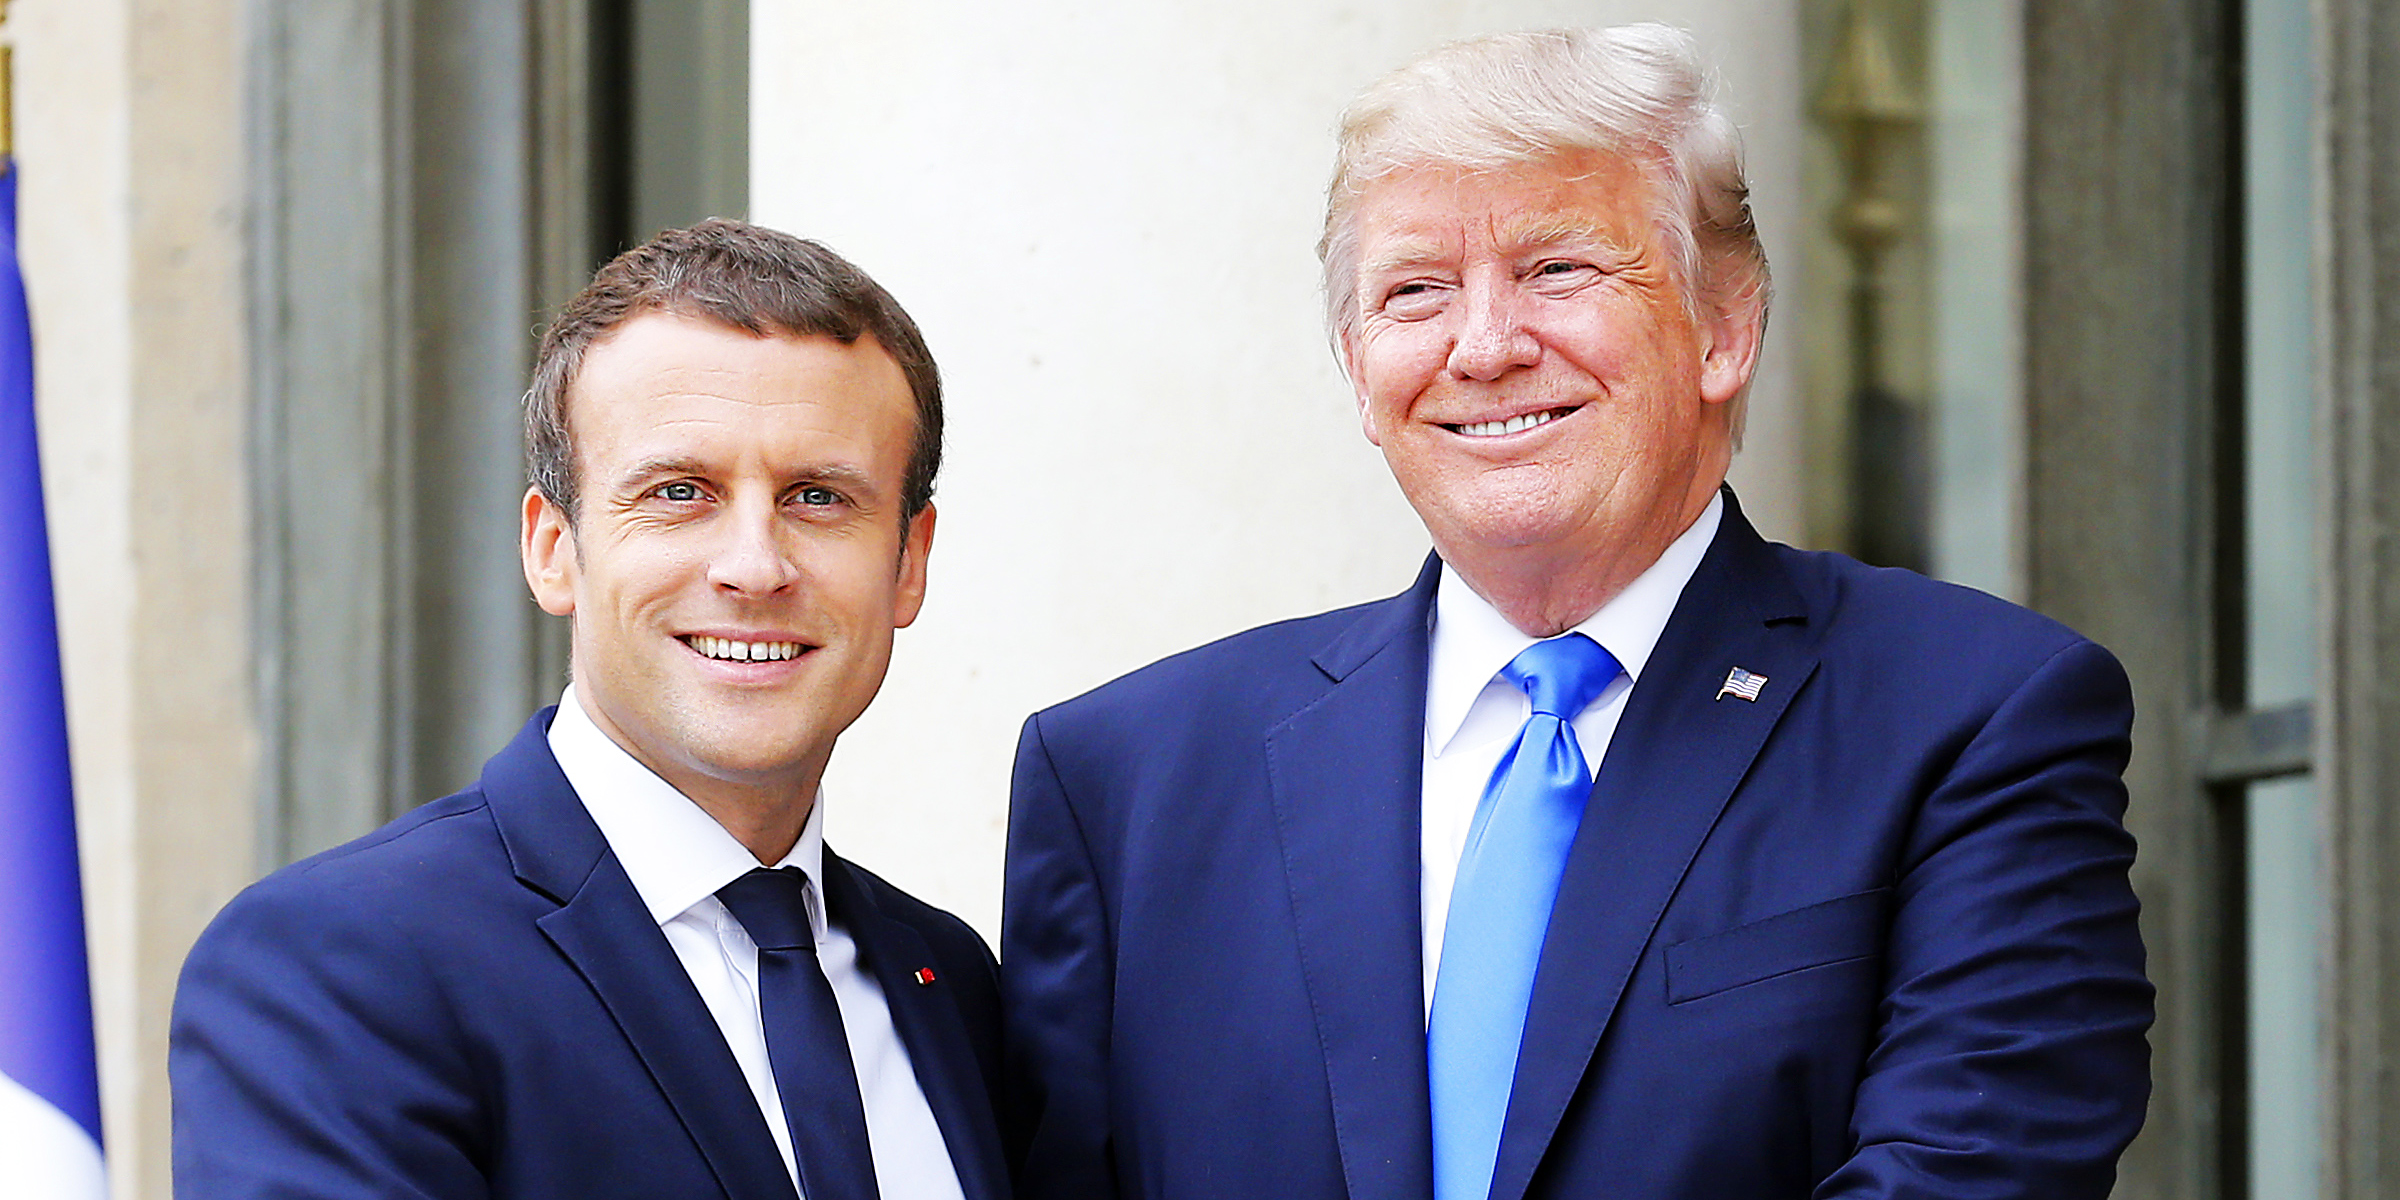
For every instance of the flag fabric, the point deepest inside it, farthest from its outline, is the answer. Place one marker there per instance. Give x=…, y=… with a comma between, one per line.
x=49, y=1075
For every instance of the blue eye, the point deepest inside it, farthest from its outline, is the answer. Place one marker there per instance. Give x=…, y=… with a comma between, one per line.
x=818, y=497
x=679, y=492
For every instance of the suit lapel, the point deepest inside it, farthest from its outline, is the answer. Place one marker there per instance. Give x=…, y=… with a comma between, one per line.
x=606, y=933
x=1671, y=766
x=930, y=1025
x=1346, y=774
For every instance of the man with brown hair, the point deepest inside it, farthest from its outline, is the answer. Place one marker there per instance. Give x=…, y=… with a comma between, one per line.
x=625, y=963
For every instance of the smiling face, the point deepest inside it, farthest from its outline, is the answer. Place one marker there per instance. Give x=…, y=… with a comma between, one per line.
x=739, y=562
x=1525, y=356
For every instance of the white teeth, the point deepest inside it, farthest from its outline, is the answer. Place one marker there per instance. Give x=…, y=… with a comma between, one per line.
x=734, y=651
x=1511, y=425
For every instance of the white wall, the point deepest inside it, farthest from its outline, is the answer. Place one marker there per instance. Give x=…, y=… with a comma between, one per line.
x=1104, y=214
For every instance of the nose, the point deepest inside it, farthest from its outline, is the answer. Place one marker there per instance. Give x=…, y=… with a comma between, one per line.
x=1492, y=335
x=752, y=559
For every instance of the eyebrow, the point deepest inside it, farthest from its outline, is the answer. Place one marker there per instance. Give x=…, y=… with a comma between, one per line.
x=847, y=478
x=1406, y=256
x=652, y=468
x=1556, y=230
x=1544, y=234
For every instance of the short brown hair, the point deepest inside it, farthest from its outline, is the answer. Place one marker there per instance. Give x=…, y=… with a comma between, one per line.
x=761, y=281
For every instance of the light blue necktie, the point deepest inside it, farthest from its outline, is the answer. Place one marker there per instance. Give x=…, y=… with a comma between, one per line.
x=1500, y=909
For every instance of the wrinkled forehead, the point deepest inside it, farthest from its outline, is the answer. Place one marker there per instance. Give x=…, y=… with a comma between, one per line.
x=1378, y=155
x=1413, y=213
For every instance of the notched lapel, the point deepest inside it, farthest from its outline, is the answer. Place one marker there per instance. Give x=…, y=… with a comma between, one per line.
x=606, y=934
x=931, y=1026
x=1673, y=763
x=1346, y=773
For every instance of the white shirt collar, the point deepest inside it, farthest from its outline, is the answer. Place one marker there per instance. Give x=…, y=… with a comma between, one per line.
x=673, y=851
x=1472, y=641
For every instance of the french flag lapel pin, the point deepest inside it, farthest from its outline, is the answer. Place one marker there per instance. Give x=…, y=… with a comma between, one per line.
x=924, y=977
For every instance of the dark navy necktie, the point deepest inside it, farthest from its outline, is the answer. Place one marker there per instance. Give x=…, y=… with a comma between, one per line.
x=805, y=1044
x=1500, y=909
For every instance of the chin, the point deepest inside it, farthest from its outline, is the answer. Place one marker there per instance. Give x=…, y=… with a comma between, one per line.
x=728, y=749
x=1498, y=527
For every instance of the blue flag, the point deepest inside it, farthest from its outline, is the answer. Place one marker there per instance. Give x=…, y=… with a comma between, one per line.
x=49, y=1076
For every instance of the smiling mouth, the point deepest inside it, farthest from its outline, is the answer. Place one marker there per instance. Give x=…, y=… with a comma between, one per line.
x=730, y=650
x=1532, y=420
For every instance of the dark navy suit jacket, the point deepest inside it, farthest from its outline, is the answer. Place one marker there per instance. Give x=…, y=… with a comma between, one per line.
x=474, y=1002
x=1869, y=935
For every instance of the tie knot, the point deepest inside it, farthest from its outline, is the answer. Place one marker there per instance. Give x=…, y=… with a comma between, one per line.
x=1562, y=675
x=772, y=906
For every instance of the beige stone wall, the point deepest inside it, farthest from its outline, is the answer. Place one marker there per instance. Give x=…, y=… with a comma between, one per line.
x=129, y=137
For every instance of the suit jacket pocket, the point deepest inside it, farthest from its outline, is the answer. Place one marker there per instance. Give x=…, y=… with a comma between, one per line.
x=1839, y=930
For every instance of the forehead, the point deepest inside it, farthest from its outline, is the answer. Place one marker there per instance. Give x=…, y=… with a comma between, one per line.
x=662, y=370
x=1417, y=214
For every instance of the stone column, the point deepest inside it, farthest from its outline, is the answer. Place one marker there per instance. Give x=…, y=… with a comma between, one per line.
x=2358, y=743
x=129, y=122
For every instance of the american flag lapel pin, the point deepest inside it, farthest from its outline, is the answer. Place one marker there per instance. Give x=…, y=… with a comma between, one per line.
x=1739, y=682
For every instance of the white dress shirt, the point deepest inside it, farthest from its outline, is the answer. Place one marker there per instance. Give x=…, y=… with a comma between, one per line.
x=678, y=856
x=1472, y=715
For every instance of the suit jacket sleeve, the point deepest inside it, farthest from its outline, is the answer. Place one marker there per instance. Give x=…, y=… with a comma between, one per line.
x=312, y=1054
x=2009, y=1057
x=1055, y=989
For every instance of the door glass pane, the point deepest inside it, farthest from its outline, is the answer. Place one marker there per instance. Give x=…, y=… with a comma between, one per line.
x=1911, y=291
x=2280, y=372
x=1977, y=423
x=2287, y=900
x=2285, y=841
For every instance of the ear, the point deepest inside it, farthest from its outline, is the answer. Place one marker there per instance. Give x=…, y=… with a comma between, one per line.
x=1729, y=338
x=1358, y=384
x=916, y=545
x=546, y=544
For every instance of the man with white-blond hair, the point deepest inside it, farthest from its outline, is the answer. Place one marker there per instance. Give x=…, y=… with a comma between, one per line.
x=1626, y=854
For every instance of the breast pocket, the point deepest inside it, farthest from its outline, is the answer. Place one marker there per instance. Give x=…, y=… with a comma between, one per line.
x=1845, y=929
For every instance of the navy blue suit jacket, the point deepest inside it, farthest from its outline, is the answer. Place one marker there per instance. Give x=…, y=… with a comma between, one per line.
x=1870, y=935
x=474, y=1002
